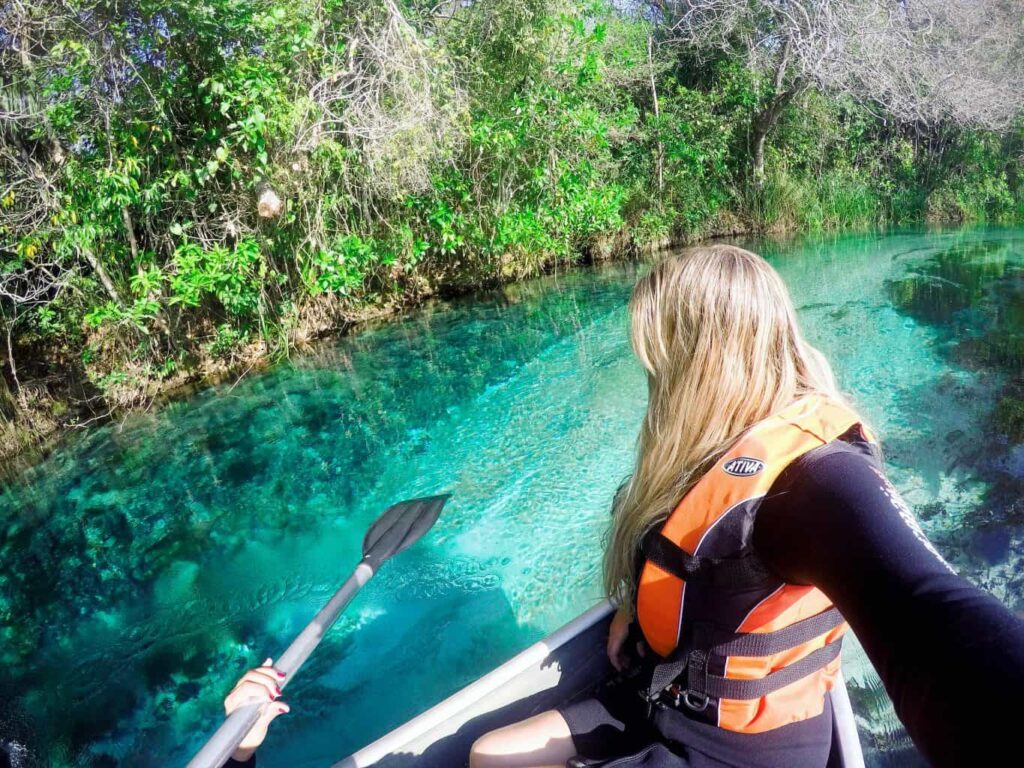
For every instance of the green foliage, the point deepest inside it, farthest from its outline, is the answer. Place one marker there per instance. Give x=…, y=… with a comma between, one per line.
x=408, y=153
x=341, y=267
x=225, y=342
x=232, y=279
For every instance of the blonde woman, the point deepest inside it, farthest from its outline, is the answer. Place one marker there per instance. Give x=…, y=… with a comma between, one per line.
x=756, y=523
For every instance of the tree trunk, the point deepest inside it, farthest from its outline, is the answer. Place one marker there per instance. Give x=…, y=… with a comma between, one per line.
x=659, y=159
x=129, y=228
x=101, y=273
x=760, y=135
x=8, y=405
x=8, y=401
x=766, y=120
x=763, y=125
x=133, y=244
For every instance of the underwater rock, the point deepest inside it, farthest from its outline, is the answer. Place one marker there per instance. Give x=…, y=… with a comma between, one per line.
x=1009, y=419
x=992, y=544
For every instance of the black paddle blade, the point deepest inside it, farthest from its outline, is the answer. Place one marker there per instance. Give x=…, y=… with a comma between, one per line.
x=401, y=526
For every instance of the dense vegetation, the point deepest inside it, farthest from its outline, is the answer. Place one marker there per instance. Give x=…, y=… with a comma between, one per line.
x=194, y=185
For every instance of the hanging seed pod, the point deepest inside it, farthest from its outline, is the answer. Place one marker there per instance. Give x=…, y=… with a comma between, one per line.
x=270, y=204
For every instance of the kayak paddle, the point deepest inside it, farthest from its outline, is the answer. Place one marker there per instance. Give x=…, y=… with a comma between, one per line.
x=401, y=526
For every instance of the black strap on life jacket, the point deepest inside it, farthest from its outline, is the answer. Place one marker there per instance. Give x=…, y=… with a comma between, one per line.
x=700, y=685
x=743, y=571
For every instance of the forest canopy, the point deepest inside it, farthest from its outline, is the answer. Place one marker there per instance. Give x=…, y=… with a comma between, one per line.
x=190, y=185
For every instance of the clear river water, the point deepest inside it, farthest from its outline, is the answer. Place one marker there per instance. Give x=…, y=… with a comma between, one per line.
x=146, y=563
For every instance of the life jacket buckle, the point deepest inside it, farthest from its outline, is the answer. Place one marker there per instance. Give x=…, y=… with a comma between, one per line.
x=675, y=692
x=652, y=700
x=698, y=702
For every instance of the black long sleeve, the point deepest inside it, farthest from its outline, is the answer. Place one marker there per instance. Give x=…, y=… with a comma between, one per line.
x=950, y=655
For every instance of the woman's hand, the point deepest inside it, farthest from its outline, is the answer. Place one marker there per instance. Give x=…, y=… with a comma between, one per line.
x=617, y=634
x=257, y=686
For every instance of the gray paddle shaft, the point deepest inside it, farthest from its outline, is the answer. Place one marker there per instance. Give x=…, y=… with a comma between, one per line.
x=225, y=741
x=401, y=526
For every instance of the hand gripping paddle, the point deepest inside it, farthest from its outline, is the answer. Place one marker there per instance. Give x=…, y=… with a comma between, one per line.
x=401, y=526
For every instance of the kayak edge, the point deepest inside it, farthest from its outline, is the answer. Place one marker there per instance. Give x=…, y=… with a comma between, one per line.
x=461, y=702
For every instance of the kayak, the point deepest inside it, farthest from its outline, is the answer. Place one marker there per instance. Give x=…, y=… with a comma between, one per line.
x=566, y=665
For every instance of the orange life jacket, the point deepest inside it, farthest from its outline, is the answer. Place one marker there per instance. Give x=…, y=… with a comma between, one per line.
x=741, y=648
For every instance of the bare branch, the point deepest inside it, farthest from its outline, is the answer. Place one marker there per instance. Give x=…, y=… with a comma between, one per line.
x=389, y=96
x=923, y=61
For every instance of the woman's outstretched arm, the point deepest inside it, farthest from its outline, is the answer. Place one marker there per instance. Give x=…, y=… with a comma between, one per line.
x=950, y=655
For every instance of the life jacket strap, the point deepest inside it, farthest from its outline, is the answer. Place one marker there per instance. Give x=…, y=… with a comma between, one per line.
x=694, y=662
x=701, y=685
x=743, y=571
x=770, y=643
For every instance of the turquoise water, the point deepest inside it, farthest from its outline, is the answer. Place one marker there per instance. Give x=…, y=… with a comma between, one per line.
x=147, y=563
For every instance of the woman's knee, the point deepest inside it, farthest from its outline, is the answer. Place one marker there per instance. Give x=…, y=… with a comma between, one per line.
x=541, y=740
x=498, y=749
x=481, y=751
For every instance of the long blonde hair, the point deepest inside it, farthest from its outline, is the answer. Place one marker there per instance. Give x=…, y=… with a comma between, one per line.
x=716, y=331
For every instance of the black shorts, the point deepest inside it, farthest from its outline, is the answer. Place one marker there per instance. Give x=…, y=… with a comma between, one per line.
x=614, y=724
x=611, y=724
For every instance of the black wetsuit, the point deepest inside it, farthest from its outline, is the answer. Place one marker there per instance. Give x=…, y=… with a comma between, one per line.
x=950, y=655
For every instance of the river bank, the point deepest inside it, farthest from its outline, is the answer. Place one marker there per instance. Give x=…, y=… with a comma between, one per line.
x=51, y=407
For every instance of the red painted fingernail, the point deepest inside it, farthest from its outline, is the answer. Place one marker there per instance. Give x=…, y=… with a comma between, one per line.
x=280, y=674
x=278, y=689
